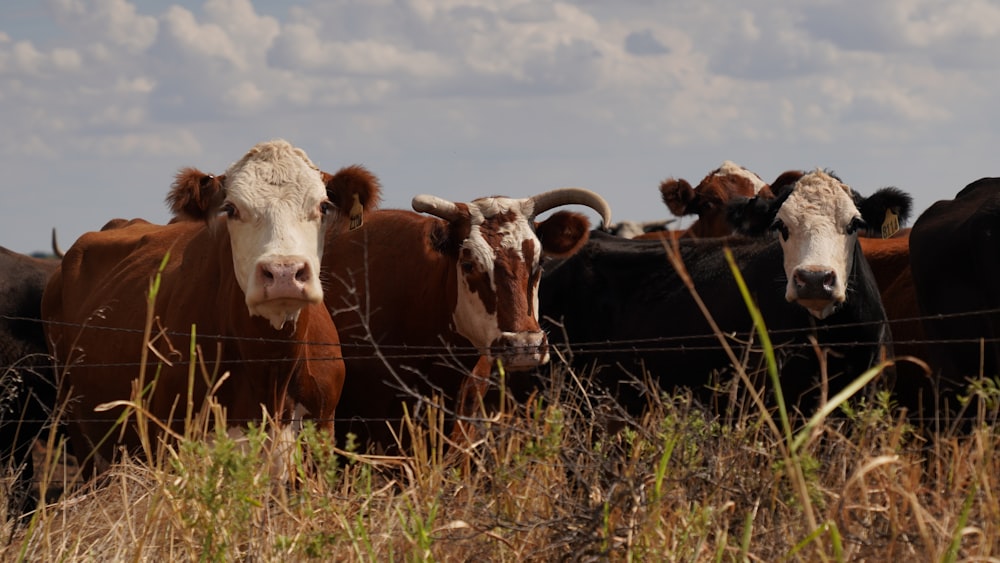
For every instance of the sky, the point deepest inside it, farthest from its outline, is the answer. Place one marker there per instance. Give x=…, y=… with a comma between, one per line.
x=102, y=102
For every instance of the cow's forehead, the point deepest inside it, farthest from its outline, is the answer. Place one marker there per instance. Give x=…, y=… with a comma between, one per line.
x=275, y=172
x=818, y=198
x=730, y=168
x=499, y=222
x=486, y=208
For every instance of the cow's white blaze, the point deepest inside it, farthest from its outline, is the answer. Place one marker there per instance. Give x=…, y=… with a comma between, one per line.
x=817, y=215
x=472, y=317
x=275, y=196
x=731, y=168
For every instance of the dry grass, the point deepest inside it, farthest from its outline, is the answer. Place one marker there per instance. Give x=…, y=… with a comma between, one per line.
x=544, y=479
x=543, y=482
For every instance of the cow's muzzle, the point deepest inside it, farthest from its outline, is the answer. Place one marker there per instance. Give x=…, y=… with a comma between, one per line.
x=521, y=350
x=287, y=278
x=817, y=290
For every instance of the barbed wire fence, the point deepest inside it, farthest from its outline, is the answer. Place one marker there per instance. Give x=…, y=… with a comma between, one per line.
x=589, y=398
x=455, y=356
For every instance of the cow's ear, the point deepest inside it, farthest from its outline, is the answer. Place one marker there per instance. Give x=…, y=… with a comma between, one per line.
x=195, y=196
x=355, y=191
x=783, y=183
x=874, y=207
x=751, y=216
x=563, y=233
x=678, y=196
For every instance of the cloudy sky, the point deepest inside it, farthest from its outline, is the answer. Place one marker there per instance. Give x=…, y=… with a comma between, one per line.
x=102, y=101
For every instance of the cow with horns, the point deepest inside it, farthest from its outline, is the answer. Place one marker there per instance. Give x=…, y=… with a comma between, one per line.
x=423, y=297
x=239, y=274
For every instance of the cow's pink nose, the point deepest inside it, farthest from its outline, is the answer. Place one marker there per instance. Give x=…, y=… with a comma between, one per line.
x=284, y=275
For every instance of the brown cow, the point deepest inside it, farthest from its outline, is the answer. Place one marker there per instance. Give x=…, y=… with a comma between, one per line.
x=242, y=271
x=708, y=200
x=438, y=292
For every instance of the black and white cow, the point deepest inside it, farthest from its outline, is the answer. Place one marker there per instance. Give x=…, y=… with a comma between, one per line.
x=621, y=306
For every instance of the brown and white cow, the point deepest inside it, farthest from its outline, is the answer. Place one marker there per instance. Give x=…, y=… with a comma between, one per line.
x=708, y=200
x=437, y=290
x=241, y=272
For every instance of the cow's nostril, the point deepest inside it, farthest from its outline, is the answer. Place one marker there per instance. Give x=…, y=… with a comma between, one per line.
x=303, y=274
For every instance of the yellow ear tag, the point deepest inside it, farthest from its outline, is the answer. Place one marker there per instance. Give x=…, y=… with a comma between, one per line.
x=890, y=225
x=358, y=214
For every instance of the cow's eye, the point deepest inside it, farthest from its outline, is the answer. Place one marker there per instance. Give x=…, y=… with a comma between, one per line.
x=467, y=266
x=326, y=207
x=856, y=225
x=230, y=210
x=779, y=225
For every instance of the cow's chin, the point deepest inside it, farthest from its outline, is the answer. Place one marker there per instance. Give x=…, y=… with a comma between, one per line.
x=523, y=362
x=279, y=311
x=819, y=308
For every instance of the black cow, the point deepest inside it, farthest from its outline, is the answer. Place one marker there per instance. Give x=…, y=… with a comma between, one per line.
x=955, y=259
x=622, y=306
x=27, y=391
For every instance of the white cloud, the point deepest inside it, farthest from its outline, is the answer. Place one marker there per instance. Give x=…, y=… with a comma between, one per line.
x=175, y=144
x=249, y=33
x=200, y=43
x=116, y=21
x=300, y=47
x=480, y=95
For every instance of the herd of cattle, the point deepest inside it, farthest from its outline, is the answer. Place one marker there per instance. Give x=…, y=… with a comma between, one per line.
x=307, y=302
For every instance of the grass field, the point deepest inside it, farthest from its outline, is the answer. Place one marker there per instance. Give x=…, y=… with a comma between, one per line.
x=543, y=480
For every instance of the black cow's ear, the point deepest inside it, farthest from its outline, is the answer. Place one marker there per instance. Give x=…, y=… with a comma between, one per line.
x=563, y=233
x=874, y=208
x=195, y=196
x=751, y=216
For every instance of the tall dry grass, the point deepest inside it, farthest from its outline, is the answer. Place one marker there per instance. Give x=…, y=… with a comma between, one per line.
x=543, y=481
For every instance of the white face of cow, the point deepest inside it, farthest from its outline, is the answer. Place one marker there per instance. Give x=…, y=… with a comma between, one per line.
x=276, y=204
x=498, y=274
x=818, y=223
x=730, y=168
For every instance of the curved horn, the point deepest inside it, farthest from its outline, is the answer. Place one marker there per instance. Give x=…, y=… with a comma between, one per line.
x=55, y=245
x=567, y=196
x=436, y=206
